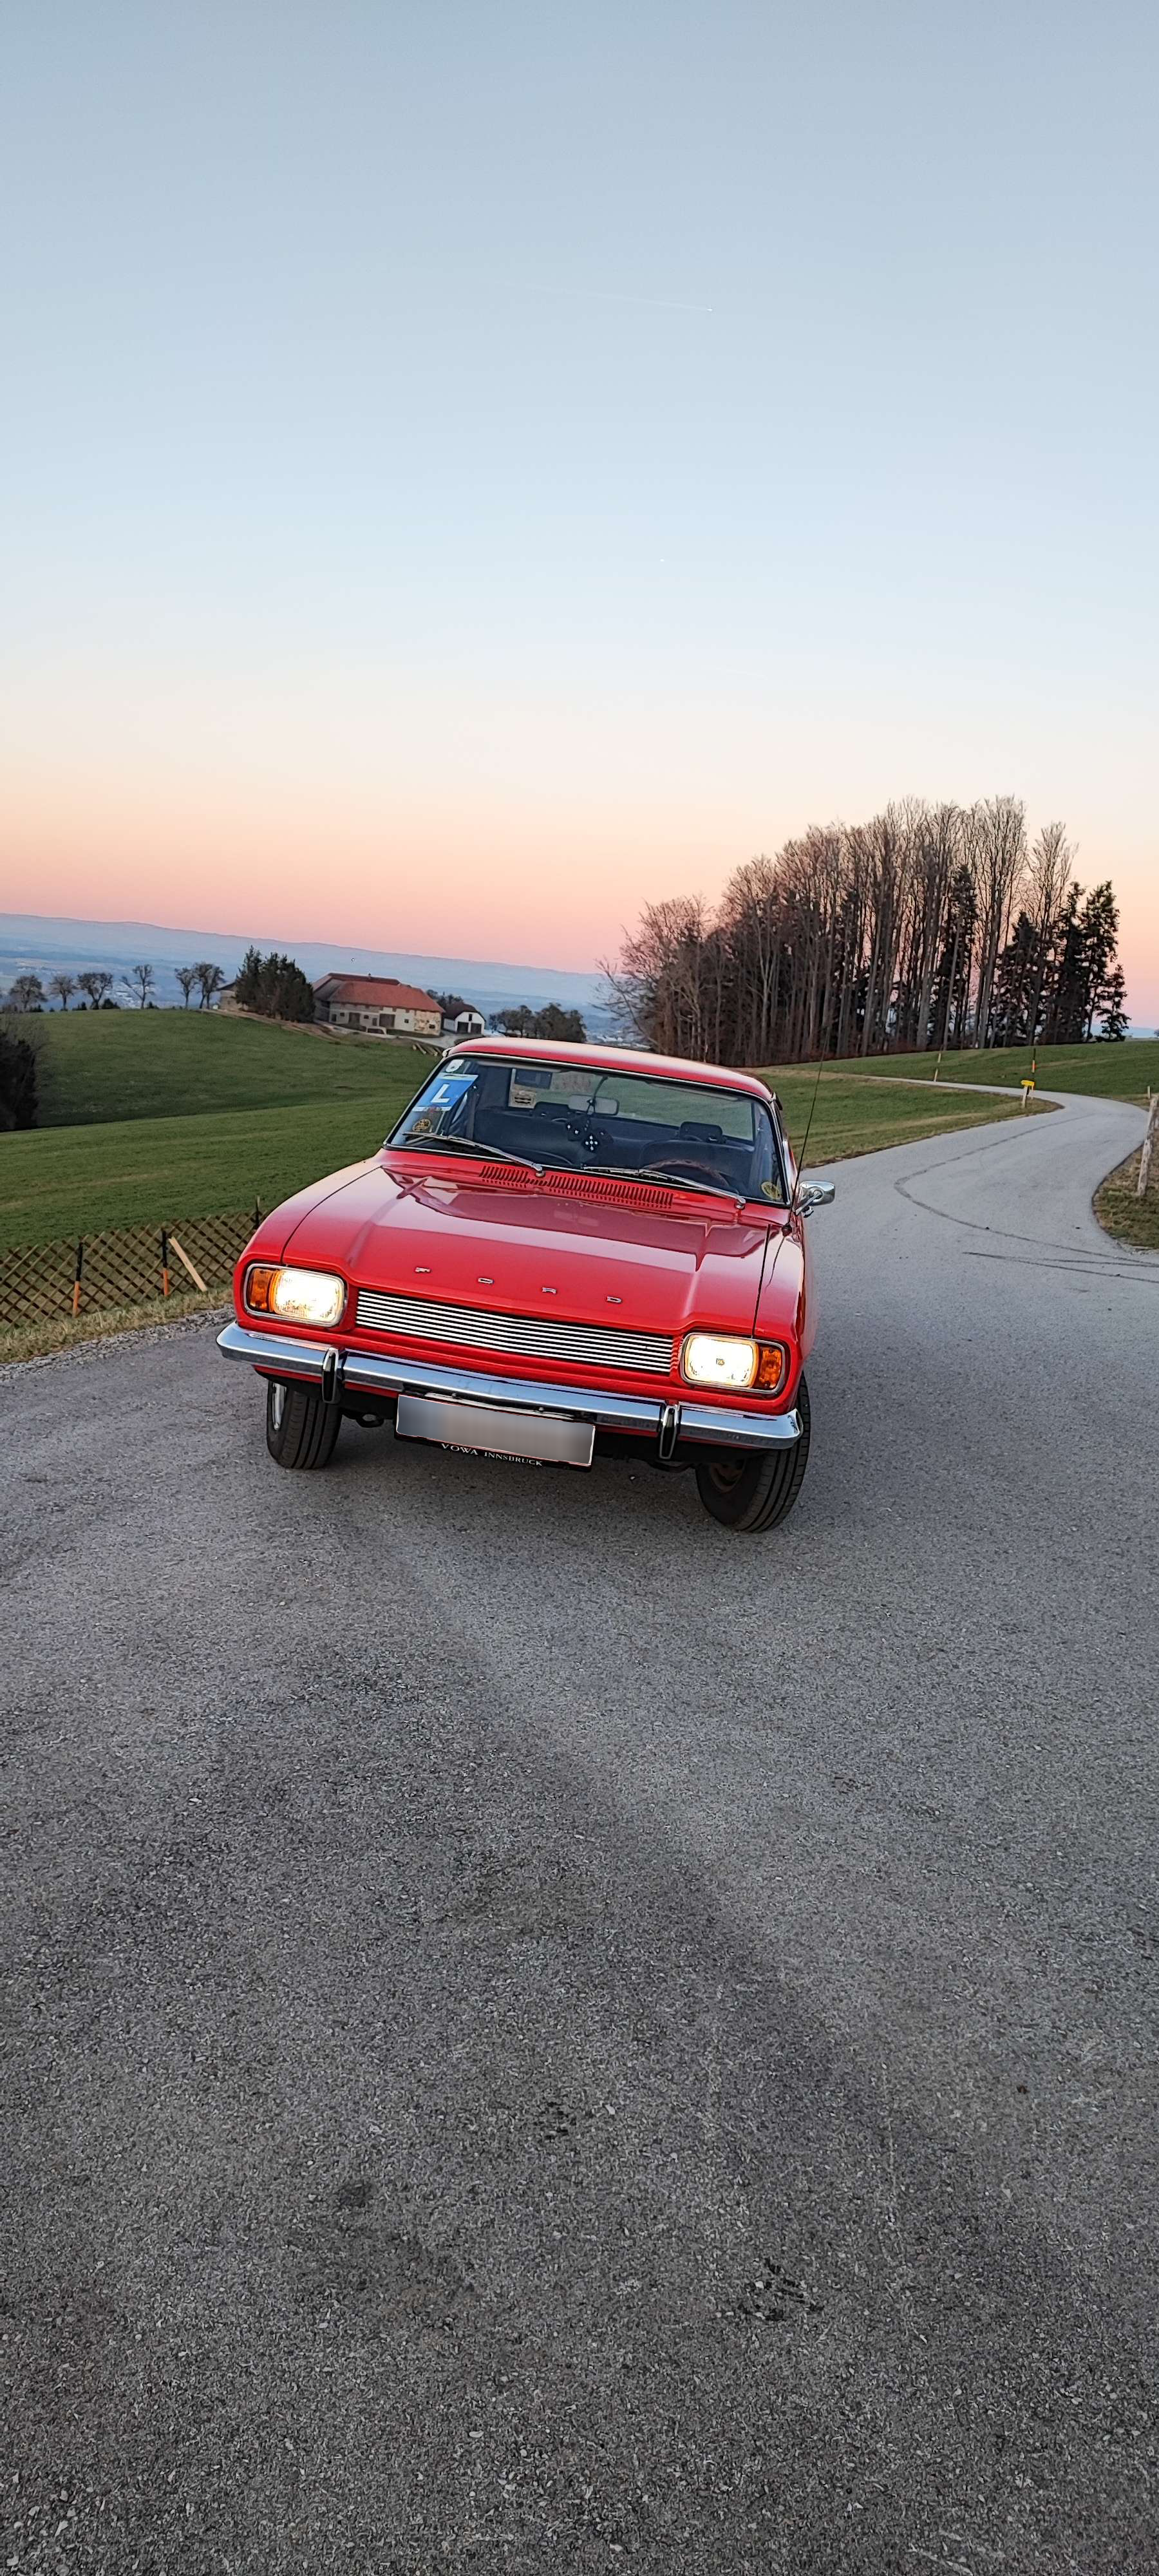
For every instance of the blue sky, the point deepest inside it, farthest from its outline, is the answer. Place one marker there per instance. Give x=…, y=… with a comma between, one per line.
x=470, y=470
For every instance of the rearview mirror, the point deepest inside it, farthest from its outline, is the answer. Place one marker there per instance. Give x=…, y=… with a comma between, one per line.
x=815, y=1194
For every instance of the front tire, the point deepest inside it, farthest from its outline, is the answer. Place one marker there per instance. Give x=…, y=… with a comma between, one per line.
x=756, y=1491
x=300, y=1430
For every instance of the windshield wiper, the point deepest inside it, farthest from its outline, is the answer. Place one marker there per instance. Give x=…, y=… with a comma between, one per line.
x=463, y=1145
x=650, y=1173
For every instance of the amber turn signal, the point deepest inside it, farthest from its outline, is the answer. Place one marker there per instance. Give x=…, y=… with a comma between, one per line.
x=259, y=1286
x=770, y=1367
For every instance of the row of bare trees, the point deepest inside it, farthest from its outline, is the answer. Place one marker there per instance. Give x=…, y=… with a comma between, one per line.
x=931, y=925
x=95, y=986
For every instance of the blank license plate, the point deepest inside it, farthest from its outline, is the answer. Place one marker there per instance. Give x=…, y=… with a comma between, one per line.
x=495, y=1430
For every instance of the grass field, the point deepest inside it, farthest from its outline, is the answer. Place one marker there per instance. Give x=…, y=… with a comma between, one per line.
x=81, y=1180
x=1111, y=1072
x=266, y=1110
x=160, y=1115
x=95, y=1066
x=855, y=1117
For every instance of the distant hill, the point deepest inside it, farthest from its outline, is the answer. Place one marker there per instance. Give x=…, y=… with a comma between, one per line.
x=48, y=946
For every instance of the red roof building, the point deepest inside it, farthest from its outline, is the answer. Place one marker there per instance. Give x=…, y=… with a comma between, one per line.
x=378, y=1003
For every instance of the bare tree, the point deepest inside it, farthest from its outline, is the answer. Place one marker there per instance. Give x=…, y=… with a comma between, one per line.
x=933, y=854
x=750, y=919
x=96, y=983
x=187, y=977
x=141, y=982
x=211, y=979
x=63, y=986
x=900, y=933
x=995, y=834
x=1051, y=867
x=27, y=994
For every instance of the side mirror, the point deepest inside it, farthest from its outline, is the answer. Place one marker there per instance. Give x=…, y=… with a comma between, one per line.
x=815, y=1194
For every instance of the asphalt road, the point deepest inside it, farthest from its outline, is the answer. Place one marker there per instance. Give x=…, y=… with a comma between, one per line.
x=542, y=2035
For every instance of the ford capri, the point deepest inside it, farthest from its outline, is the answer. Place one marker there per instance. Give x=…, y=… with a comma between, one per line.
x=559, y=1251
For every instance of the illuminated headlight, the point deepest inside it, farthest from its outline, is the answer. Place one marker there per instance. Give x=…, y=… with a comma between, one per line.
x=720, y=1359
x=299, y=1296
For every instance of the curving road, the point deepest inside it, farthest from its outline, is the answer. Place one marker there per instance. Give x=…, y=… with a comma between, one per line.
x=543, y=2036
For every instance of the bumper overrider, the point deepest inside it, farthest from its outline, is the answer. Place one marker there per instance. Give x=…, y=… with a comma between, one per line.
x=383, y=1375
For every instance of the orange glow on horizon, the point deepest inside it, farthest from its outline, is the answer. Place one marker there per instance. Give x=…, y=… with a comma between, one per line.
x=531, y=883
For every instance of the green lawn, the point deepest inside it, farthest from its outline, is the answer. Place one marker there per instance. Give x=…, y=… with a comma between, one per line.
x=855, y=1117
x=1115, y=1072
x=143, y=1170
x=81, y=1180
x=99, y=1065
x=174, y=1114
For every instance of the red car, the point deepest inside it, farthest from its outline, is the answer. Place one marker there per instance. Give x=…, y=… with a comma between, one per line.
x=558, y=1249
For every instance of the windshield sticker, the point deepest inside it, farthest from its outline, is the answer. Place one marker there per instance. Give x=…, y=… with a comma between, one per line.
x=448, y=1089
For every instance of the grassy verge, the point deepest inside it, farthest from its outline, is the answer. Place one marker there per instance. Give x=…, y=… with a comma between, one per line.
x=1108, y=1072
x=38, y=1341
x=856, y=1117
x=1129, y=1219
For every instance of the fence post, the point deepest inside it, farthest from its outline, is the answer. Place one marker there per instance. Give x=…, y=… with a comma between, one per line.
x=1148, y=1149
x=76, y=1278
x=257, y=1214
x=164, y=1263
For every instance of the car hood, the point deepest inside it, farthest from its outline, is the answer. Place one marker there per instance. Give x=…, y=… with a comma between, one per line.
x=513, y=1249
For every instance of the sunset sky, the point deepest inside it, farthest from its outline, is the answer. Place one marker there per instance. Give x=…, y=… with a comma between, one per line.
x=469, y=469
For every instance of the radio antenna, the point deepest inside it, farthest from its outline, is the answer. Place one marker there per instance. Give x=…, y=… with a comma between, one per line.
x=808, y=1129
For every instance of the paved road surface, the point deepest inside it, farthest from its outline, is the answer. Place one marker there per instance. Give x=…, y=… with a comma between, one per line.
x=545, y=2036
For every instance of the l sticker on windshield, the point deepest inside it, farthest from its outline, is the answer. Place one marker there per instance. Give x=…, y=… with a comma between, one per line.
x=448, y=1089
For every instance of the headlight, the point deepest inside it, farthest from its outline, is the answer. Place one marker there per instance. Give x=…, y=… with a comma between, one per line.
x=301, y=1296
x=720, y=1359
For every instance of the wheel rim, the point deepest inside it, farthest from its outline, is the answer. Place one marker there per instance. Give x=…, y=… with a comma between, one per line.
x=725, y=1474
x=277, y=1407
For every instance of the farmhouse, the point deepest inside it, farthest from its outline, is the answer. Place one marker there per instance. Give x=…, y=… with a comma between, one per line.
x=377, y=1003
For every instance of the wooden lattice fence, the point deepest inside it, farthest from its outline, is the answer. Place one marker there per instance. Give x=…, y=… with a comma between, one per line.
x=41, y=1282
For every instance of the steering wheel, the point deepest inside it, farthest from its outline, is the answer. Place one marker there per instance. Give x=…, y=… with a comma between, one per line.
x=685, y=1167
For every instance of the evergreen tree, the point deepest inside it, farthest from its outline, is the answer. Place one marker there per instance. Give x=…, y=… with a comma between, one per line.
x=274, y=986
x=1099, y=930
x=1064, y=999
x=1114, y=994
x=1014, y=985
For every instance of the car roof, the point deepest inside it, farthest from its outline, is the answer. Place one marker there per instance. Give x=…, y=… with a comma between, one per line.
x=626, y=1059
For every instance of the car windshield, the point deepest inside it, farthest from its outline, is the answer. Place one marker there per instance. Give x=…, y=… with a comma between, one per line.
x=582, y=1117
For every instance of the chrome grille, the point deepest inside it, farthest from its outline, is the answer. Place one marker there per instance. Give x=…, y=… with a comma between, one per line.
x=600, y=1345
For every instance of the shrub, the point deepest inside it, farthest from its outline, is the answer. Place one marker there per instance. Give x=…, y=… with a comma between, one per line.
x=18, y=1093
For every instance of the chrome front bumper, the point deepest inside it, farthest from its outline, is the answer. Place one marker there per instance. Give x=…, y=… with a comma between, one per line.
x=337, y=1373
